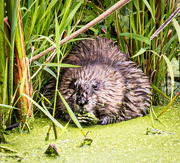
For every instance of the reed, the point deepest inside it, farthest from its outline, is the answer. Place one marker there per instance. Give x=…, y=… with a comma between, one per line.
x=39, y=24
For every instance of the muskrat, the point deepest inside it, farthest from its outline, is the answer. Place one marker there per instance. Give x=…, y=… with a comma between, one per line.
x=107, y=84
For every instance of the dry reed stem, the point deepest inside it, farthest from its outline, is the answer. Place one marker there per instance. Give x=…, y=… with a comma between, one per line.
x=165, y=23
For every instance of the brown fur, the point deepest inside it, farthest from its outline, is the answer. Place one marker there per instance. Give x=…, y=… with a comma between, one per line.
x=107, y=85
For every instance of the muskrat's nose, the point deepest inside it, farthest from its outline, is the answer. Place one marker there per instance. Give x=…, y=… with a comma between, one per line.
x=81, y=100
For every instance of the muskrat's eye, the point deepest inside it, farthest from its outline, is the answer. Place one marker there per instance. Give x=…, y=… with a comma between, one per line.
x=95, y=86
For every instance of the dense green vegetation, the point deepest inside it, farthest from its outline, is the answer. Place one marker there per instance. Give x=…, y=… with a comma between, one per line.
x=31, y=27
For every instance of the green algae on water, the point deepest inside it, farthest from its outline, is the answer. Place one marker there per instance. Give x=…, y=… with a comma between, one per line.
x=121, y=142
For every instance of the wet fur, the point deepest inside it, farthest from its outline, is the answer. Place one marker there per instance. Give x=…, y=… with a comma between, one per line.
x=107, y=85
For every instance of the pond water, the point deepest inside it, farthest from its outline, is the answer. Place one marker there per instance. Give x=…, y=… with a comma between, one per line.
x=121, y=142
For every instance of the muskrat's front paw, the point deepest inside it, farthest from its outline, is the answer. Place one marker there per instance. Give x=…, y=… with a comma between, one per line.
x=87, y=118
x=110, y=119
x=107, y=120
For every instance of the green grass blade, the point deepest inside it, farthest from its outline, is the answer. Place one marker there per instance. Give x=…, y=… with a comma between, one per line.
x=132, y=21
x=2, y=50
x=137, y=37
x=48, y=39
x=8, y=106
x=141, y=51
x=62, y=132
x=45, y=112
x=149, y=8
x=5, y=84
x=159, y=91
x=171, y=73
x=73, y=117
x=44, y=98
x=33, y=19
x=5, y=38
x=50, y=5
x=12, y=8
x=169, y=43
x=65, y=15
x=45, y=68
x=152, y=119
x=59, y=64
x=153, y=52
x=58, y=58
x=177, y=27
x=167, y=107
x=18, y=42
x=50, y=71
x=71, y=16
x=23, y=81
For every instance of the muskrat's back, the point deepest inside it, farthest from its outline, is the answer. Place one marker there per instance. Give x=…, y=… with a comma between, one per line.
x=99, y=50
x=106, y=85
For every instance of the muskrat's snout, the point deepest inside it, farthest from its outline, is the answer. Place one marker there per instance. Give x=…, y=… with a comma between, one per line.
x=81, y=100
x=81, y=96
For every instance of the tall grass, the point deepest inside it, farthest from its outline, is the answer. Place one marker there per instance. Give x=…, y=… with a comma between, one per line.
x=154, y=57
x=2, y=69
x=37, y=21
x=44, y=23
x=33, y=30
x=8, y=33
x=133, y=25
